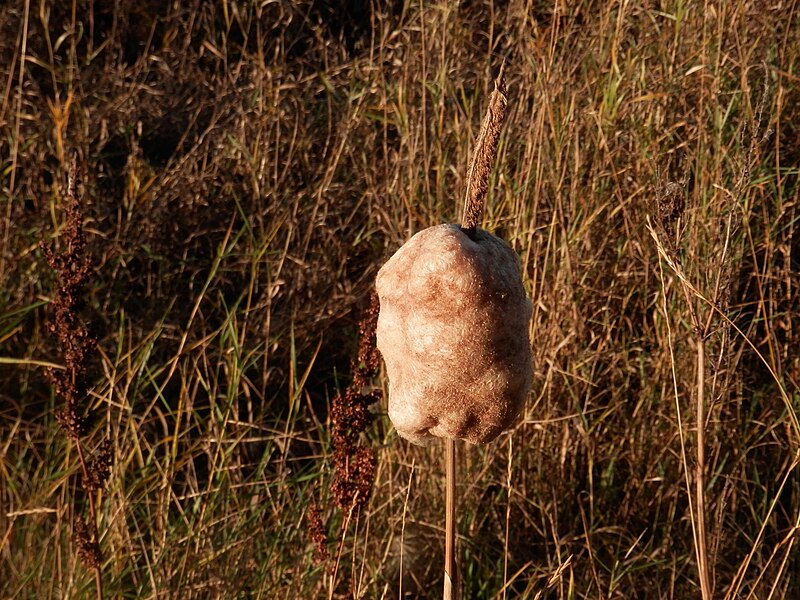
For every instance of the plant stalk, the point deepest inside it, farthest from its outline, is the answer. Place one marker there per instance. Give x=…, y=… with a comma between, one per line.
x=450, y=575
x=92, y=521
x=702, y=556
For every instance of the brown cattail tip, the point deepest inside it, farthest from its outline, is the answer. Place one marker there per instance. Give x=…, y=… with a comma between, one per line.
x=483, y=156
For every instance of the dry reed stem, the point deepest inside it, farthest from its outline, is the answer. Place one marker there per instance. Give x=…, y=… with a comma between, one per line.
x=670, y=206
x=700, y=470
x=450, y=568
x=699, y=530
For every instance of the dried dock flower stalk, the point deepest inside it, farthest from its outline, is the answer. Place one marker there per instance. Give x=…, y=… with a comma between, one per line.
x=73, y=267
x=354, y=465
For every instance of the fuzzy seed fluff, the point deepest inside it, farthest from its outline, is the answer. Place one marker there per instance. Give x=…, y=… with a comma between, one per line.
x=453, y=332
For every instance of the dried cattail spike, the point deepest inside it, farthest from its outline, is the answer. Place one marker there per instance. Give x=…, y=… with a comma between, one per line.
x=484, y=155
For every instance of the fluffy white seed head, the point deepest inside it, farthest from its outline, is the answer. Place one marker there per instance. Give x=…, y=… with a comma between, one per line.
x=453, y=332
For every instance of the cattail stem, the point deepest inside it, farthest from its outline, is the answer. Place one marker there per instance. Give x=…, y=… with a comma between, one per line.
x=450, y=575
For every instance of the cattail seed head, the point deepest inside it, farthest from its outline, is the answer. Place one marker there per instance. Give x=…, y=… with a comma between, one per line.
x=453, y=331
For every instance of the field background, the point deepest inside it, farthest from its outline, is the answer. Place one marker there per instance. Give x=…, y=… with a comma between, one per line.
x=248, y=167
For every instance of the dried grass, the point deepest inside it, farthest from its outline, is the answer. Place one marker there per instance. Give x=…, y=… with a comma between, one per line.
x=249, y=167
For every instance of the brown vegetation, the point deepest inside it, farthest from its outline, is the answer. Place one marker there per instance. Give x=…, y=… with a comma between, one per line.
x=249, y=166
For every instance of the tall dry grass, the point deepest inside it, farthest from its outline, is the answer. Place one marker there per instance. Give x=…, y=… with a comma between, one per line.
x=249, y=166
